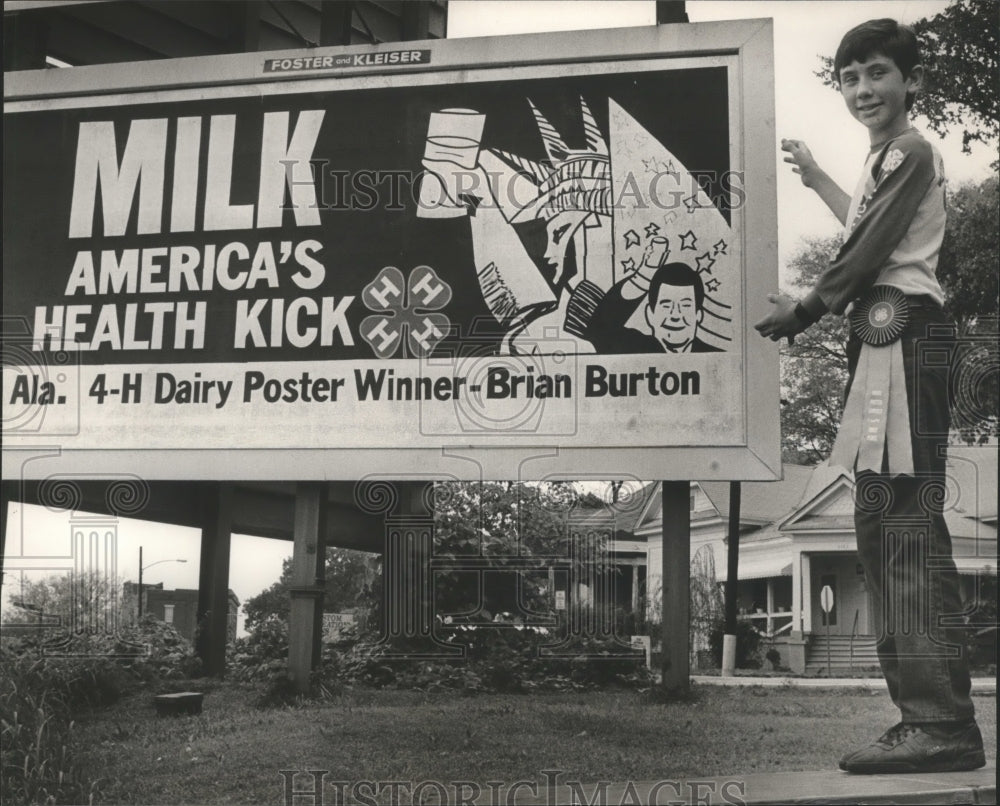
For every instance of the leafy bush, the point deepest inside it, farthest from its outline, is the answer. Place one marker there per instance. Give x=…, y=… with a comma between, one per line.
x=262, y=658
x=46, y=679
x=499, y=659
x=37, y=698
x=748, y=642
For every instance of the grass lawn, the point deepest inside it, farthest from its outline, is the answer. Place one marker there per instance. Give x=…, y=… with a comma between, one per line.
x=232, y=753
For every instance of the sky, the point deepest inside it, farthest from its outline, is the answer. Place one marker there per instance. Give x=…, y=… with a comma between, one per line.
x=804, y=108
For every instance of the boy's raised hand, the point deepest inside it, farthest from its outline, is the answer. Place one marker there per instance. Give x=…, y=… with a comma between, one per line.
x=802, y=159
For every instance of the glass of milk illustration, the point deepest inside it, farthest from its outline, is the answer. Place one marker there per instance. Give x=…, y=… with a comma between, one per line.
x=451, y=156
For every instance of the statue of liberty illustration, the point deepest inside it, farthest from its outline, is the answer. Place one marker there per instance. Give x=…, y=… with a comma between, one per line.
x=632, y=213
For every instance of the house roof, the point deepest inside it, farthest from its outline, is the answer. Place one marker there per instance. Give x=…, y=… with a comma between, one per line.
x=763, y=502
x=623, y=516
x=969, y=509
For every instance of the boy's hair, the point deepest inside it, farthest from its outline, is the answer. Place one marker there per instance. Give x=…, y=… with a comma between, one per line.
x=885, y=37
x=680, y=274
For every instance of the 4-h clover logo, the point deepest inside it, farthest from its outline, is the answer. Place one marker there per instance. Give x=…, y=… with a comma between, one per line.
x=405, y=306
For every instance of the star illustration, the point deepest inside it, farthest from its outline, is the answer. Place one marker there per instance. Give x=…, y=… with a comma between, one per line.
x=705, y=262
x=670, y=218
x=689, y=241
x=712, y=285
x=650, y=165
x=628, y=265
x=631, y=238
x=691, y=202
x=721, y=247
x=651, y=230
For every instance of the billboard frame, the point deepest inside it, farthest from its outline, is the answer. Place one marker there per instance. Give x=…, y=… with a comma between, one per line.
x=744, y=46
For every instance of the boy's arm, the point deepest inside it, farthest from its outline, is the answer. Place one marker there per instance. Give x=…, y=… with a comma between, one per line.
x=816, y=178
x=906, y=173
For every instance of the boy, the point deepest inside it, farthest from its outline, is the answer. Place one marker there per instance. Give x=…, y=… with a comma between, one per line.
x=896, y=418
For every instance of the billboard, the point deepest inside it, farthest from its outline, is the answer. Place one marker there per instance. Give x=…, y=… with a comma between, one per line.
x=516, y=257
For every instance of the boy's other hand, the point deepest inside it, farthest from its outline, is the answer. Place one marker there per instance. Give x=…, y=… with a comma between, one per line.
x=802, y=159
x=781, y=323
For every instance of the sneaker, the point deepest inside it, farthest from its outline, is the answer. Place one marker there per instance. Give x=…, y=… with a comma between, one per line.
x=907, y=747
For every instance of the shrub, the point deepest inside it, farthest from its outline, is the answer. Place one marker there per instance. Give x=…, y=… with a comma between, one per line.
x=499, y=659
x=262, y=658
x=748, y=641
x=46, y=679
x=37, y=696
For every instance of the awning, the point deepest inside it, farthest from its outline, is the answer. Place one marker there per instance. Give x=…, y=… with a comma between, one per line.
x=763, y=567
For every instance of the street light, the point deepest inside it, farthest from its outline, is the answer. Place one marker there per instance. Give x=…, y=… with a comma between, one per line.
x=143, y=568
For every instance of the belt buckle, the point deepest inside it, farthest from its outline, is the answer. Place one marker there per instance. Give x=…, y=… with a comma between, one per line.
x=880, y=317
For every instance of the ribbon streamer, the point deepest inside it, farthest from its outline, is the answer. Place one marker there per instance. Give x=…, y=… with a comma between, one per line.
x=876, y=416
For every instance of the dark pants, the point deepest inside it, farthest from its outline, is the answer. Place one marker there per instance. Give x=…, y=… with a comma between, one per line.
x=905, y=547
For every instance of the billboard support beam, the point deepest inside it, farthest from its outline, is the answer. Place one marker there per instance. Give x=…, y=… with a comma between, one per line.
x=25, y=41
x=668, y=11
x=675, y=615
x=213, y=577
x=335, y=22
x=305, y=617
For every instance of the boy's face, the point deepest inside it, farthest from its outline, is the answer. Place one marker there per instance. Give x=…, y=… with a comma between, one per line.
x=875, y=93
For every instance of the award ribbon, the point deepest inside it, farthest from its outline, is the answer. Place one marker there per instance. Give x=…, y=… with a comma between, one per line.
x=876, y=416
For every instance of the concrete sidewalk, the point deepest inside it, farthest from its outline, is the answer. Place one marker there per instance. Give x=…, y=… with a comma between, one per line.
x=980, y=685
x=828, y=786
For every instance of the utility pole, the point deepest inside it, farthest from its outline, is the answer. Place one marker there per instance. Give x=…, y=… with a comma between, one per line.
x=140, y=583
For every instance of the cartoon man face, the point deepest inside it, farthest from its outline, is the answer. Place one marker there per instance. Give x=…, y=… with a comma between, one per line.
x=674, y=317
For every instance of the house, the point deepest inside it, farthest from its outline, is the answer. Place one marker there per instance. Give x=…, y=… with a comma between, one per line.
x=797, y=537
x=177, y=607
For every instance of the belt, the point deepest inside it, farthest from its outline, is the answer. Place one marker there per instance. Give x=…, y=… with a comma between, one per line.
x=923, y=302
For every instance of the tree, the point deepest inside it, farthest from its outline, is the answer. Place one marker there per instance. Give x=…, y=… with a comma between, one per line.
x=813, y=368
x=968, y=270
x=959, y=49
x=513, y=524
x=92, y=598
x=347, y=574
x=971, y=254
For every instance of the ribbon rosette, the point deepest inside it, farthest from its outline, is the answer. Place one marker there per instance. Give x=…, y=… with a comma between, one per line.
x=876, y=416
x=406, y=312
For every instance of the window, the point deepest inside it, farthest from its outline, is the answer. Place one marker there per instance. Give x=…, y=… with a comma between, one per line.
x=168, y=614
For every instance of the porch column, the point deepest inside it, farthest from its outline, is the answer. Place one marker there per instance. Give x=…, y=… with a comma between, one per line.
x=807, y=626
x=635, y=589
x=770, y=604
x=305, y=618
